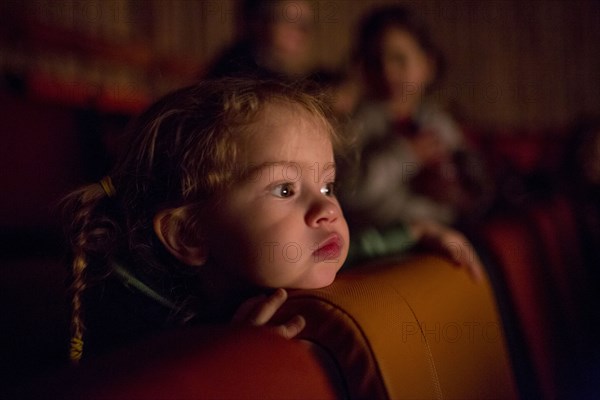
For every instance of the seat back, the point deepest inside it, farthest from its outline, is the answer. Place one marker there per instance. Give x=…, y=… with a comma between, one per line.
x=415, y=328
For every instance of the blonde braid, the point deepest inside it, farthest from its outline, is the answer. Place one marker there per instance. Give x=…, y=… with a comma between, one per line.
x=81, y=206
x=77, y=325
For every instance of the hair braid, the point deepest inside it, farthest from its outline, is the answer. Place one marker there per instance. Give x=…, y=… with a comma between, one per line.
x=77, y=325
x=93, y=237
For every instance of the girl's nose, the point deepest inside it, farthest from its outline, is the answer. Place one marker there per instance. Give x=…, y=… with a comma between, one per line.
x=322, y=211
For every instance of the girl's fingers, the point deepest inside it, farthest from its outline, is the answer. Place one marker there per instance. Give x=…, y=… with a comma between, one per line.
x=268, y=307
x=291, y=328
x=260, y=309
x=245, y=311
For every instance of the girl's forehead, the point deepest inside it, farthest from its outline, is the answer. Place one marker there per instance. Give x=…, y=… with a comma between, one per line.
x=276, y=115
x=284, y=129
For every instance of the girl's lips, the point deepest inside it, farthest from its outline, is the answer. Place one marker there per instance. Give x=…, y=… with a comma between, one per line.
x=330, y=249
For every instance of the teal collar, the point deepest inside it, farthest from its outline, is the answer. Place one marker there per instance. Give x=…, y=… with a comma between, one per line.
x=131, y=281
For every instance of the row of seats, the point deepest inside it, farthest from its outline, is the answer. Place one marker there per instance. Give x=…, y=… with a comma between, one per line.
x=542, y=278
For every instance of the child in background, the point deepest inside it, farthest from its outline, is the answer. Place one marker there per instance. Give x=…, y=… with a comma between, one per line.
x=224, y=193
x=414, y=164
x=223, y=197
x=415, y=176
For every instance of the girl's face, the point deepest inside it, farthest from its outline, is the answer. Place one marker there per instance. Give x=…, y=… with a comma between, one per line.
x=407, y=68
x=281, y=224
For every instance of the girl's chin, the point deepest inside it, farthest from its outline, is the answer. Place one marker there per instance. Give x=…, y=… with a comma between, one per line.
x=321, y=281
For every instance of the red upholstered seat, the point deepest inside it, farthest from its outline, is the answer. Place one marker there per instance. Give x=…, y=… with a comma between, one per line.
x=413, y=328
x=196, y=363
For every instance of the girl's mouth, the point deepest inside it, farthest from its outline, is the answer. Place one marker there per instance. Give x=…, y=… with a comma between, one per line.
x=329, y=250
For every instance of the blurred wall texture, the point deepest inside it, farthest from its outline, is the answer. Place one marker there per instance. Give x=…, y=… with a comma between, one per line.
x=511, y=62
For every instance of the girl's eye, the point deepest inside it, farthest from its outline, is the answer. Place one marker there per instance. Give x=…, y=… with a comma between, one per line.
x=284, y=190
x=327, y=190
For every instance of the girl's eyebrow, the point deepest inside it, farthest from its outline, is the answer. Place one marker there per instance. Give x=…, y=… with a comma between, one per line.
x=250, y=171
x=267, y=164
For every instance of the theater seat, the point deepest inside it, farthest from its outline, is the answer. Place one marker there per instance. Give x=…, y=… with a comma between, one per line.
x=411, y=328
x=414, y=328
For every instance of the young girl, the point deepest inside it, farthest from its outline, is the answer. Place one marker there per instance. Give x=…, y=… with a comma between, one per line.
x=223, y=193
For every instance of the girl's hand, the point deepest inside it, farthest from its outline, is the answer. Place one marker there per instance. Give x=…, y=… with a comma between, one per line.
x=259, y=310
x=450, y=243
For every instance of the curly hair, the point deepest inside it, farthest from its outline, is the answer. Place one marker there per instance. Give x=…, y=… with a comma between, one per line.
x=180, y=153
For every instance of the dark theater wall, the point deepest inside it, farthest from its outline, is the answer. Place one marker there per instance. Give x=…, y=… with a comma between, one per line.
x=511, y=63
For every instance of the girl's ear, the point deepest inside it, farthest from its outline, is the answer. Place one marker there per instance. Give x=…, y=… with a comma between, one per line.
x=169, y=226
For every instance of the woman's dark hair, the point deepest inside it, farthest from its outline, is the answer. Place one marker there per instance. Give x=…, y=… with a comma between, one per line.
x=368, y=52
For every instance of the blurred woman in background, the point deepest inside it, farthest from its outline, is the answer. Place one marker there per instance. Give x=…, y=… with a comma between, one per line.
x=274, y=41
